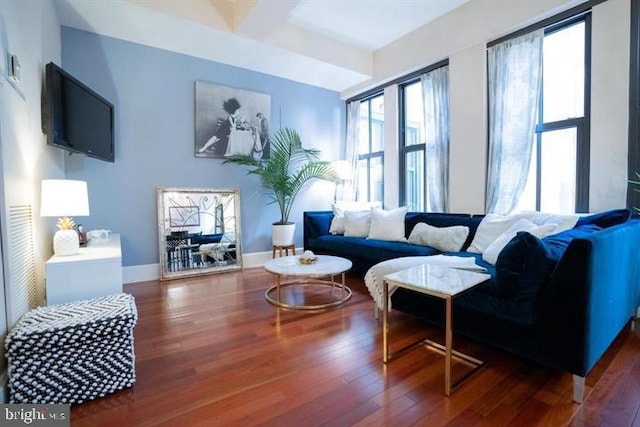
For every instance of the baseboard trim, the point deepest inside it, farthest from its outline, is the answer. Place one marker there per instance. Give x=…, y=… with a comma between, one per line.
x=140, y=273
x=147, y=272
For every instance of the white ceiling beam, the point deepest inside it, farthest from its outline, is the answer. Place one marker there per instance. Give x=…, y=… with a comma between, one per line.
x=266, y=21
x=295, y=39
x=258, y=18
x=154, y=28
x=213, y=14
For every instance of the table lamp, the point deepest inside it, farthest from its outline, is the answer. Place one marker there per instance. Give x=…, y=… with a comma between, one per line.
x=64, y=198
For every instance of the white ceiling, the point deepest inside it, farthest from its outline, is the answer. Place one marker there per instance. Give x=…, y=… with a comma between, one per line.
x=368, y=24
x=326, y=43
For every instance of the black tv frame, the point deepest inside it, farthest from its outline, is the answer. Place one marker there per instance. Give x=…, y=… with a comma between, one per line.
x=53, y=114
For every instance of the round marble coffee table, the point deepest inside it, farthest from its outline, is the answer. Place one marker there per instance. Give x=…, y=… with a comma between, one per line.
x=308, y=275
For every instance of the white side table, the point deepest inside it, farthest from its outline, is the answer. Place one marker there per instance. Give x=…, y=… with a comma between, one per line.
x=95, y=271
x=441, y=282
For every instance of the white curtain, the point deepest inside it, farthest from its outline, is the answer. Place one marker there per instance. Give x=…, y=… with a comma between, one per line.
x=351, y=155
x=435, y=94
x=515, y=70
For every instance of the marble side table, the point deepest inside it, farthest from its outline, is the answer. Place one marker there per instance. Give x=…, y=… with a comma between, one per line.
x=441, y=282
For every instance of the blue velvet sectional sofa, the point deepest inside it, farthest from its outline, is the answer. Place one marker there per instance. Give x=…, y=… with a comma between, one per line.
x=559, y=301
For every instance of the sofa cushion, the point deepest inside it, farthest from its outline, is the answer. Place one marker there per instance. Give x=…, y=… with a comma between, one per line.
x=556, y=244
x=525, y=264
x=523, y=268
x=606, y=219
x=435, y=219
x=519, y=312
x=493, y=226
x=490, y=228
x=472, y=310
x=340, y=207
x=358, y=248
x=486, y=287
x=492, y=251
x=388, y=225
x=357, y=223
x=337, y=225
x=446, y=239
x=562, y=221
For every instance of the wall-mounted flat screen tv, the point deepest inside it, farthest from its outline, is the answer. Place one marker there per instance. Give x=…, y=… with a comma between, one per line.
x=75, y=117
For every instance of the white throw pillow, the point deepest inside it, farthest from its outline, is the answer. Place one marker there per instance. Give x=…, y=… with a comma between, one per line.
x=340, y=207
x=445, y=239
x=337, y=224
x=489, y=229
x=388, y=225
x=492, y=251
x=563, y=222
x=357, y=223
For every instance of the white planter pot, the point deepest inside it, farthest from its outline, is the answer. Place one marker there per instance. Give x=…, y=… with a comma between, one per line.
x=282, y=235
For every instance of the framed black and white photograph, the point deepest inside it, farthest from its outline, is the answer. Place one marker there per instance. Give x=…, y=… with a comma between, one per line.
x=231, y=121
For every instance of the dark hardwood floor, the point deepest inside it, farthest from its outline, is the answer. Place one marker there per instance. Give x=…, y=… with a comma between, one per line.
x=212, y=352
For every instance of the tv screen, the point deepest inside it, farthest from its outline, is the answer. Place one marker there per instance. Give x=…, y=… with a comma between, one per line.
x=75, y=117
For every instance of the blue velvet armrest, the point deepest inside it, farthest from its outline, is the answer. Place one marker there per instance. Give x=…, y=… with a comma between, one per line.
x=591, y=296
x=316, y=224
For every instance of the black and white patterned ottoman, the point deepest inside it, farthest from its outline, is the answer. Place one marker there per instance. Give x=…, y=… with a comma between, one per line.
x=73, y=352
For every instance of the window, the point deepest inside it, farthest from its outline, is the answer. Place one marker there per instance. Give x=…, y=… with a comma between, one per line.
x=424, y=148
x=413, y=147
x=371, y=150
x=558, y=173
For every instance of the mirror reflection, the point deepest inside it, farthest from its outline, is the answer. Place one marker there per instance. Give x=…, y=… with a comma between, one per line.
x=199, y=231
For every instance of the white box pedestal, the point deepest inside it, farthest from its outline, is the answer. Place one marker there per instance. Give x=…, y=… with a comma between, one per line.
x=95, y=271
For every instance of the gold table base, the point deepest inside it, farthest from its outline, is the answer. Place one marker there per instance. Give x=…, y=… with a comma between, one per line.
x=446, y=349
x=344, y=297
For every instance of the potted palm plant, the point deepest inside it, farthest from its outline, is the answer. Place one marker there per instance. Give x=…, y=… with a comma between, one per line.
x=289, y=167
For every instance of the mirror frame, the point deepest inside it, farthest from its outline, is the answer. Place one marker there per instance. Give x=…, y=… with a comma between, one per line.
x=203, y=196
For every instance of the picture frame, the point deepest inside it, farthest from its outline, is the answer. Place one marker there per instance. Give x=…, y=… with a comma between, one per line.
x=231, y=121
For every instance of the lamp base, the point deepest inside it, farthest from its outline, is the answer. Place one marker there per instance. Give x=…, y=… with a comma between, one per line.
x=66, y=242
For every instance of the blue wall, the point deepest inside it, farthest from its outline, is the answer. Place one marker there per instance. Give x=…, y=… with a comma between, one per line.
x=153, y=94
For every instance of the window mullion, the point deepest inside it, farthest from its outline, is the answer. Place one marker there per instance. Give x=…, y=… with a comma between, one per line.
x=580, y=124
x=582, y=169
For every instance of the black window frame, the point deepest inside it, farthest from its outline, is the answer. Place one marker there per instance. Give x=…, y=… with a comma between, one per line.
x=371, y=154
x=581, y=124
x=403, y=149
x=583, y=131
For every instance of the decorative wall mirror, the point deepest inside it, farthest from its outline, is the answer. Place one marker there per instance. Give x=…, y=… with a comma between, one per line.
x=198, y=231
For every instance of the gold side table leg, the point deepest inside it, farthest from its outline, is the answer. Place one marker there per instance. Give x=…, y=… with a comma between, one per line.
x=448, y=348
x=385, y=314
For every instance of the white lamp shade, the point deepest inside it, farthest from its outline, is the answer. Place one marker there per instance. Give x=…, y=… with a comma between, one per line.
x=64, y=197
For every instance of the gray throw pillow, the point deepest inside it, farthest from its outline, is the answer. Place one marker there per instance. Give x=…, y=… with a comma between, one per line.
x=445, y=239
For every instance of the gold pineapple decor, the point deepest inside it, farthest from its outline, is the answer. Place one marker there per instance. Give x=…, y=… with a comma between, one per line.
x=66, y=223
